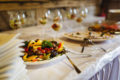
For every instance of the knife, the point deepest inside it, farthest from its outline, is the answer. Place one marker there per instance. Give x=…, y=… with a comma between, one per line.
x=83, y=47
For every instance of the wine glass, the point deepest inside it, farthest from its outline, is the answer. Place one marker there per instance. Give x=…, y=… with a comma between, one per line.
x=78, y=18
x=81, y=15
x=15, y=21
x=44, y=18
x=57, y=22
x=71, y=13
x=23, y=18
x=84, y=12
x=44, y=22
x=57, y=16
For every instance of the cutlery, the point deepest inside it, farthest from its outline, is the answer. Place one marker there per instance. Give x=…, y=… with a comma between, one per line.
x=75, y=67
x=85, y=42
x=89, y=40
x=83, y=47
x=94, y=44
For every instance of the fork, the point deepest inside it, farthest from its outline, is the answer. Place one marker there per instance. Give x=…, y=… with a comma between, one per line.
x=75, y=67
x=89, y=40
x=94, y=44
x=83, y=47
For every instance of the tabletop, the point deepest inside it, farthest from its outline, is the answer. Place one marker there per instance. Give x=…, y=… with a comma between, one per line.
x=63, y=70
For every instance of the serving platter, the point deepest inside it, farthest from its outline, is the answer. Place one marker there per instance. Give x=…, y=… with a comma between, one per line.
x=79, y=36
x=47, y=62
x=43, y=52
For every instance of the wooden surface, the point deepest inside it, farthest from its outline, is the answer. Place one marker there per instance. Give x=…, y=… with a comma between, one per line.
x=4, y=19
x=43, y=3
x=14, y=6
x=39, y=7
x=21, y=0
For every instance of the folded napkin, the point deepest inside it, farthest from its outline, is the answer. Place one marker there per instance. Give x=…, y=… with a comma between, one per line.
x=12, y=66
x=6, y=38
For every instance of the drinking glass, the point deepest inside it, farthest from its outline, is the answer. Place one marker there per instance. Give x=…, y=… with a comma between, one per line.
x=71, y=13
x=83, y=12
x=23, y=18
x=15, y=21
x=57, y=22
x=44, y=22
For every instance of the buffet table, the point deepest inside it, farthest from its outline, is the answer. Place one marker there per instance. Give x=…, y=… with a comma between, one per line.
x=92, y=67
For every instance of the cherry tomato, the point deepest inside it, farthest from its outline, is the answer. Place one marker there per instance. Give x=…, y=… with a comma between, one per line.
x=39, y=48
x=59, y=45
x=26, y=49
x=43, y=51
x=51, y=48
x=47, y=49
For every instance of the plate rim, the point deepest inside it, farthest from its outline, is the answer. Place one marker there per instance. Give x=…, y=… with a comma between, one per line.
x=81, y=39
x=46, y=61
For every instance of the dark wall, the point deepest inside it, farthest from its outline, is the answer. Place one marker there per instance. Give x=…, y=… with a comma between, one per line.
x=4, y=20
x=109, y=4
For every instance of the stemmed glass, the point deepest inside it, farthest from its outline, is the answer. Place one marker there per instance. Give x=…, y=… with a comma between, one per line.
x=84, y=12
x=71, y=13
x=80, y=17
x=70, y=17
x=23, y=18
x=53, y=18
x=57, y=22
x=15, y=21
x=45, y=17
x=43, y=22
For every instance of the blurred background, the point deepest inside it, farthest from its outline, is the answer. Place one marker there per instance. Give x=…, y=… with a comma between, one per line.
x=29, y=12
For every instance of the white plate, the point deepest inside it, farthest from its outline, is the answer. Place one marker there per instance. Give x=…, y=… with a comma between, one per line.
x=82, y=36
x=47, y=62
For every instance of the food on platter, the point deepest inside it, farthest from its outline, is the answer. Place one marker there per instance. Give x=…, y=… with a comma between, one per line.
x=40, y=50
x=95, y=36
x=56, y=26
x=105, y=27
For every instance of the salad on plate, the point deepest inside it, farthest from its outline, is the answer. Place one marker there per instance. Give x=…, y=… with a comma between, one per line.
x=40, y=50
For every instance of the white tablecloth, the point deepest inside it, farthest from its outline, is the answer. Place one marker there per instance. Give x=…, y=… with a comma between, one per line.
x=88, y=65
x=63, y=70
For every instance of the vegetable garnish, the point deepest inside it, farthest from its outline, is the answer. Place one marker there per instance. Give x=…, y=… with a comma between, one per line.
x=46, y=44
x=38, y=50
x=105, y=28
